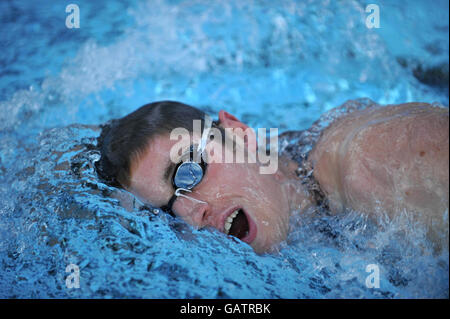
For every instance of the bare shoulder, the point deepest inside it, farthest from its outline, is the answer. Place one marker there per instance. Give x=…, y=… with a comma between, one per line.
x=395, y=157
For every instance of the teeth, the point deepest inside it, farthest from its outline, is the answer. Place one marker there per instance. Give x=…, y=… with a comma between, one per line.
x=229, y=221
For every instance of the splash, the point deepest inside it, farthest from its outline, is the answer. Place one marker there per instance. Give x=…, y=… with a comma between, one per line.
x=291, y=62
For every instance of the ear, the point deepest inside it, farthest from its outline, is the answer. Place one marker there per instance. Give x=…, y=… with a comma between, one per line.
x=228, y=120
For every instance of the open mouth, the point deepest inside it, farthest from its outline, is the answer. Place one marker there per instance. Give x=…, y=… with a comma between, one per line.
x=237, y=224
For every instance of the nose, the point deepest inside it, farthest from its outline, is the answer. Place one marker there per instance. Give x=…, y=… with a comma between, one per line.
x=200, y=215
x=194, y=212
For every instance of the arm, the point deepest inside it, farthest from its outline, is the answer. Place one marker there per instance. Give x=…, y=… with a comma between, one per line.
x=392, y=158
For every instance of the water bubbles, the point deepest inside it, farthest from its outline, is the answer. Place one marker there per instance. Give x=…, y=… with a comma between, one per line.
x=293, y=61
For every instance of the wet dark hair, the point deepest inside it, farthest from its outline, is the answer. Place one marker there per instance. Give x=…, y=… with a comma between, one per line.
x=123, y=140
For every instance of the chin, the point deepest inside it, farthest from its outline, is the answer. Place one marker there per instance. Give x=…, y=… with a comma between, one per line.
x=267, y=245
x=271, y=234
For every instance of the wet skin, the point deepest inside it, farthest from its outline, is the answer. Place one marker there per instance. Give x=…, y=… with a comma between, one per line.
x=392, y=158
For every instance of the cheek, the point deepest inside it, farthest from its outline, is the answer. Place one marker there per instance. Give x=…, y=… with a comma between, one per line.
x=260, y=192
x=272, y=210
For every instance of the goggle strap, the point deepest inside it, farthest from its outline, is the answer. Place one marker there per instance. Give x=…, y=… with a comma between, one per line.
x=206, y=128
x=178, y=194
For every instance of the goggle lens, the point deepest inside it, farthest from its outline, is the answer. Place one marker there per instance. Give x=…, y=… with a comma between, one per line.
x=188, y=175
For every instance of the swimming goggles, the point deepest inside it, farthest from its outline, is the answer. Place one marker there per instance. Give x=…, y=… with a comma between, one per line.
x=190, y=173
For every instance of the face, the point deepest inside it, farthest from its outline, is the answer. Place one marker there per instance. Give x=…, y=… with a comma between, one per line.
x=234, y=198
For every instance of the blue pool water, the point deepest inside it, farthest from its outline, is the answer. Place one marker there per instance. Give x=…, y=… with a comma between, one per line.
x=272, y=64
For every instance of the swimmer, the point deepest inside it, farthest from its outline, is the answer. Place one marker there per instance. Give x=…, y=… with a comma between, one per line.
x=392, y=159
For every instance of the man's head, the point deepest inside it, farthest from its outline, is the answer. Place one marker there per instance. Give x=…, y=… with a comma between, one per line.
x=135, y=155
